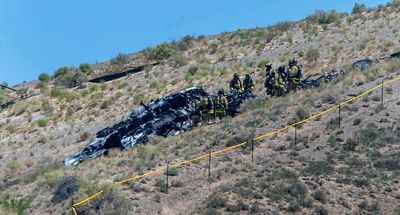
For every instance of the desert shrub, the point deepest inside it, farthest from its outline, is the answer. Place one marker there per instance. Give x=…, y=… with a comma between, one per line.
x=111, y=201
x=292, y=189
x=216, y=201
x=320, y=210
x=361, y=182
x=283, y=26
x=161, y=185
x=65, y=188
x=14, y=164
x=20, y=108
x=16, y=205
x=349, y=145
x=333, y=123
x=42, y=122
x=44, y=77
x=180, y=60
x=324, y=18
x=312, y=55
x=185, y=43
x=370, y=207
x=261, y=64
x=356, y=121
x=318, y=168
x=390, y=163
x=193, y=70
x=120, y=59
x=237, y=207
x=160, y=52
x=85, y=68
x=69, y=77
x=85, y=136
x=40, y=169
x=359, y=8
x=320, y=195
x=105, y=104
x=50, y=178
x=366, y=135
x=145, y=156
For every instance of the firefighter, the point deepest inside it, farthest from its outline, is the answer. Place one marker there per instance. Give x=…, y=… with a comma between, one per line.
x=209, y=112
x=236, y=84
x=221, y=104
x=198, y=112
x=294, y=75
x=278, y=85
x=269, y=71
x=283, y=73
x=248, y=84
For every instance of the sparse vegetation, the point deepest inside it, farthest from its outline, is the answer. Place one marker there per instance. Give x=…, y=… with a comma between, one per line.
x=16, y=205
x=65, y=188
x=312, y=55
x=42, y=122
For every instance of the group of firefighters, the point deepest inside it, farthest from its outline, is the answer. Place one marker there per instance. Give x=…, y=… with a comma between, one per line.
x=277, y=83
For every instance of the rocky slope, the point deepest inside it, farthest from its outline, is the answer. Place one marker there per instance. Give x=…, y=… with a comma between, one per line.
x=321, y=174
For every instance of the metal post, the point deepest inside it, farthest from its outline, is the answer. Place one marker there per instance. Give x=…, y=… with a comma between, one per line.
x=209, y=165
x=252, y=150
x=166, y=186
x=295, y=134
x=339, y=114
x=382, y=94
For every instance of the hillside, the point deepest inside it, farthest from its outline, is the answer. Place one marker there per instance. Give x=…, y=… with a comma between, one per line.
x=353, y=169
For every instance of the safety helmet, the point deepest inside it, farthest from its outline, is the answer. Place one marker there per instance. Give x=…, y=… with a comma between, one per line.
x=236, y=75
x=268, y=65
x=247, y=75
x=221, y=92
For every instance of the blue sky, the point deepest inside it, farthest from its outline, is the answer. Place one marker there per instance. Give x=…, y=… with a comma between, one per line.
x=42, y=35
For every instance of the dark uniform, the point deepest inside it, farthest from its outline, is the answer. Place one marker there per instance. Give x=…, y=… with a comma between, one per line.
x=248, y=84
x=236, y=85
x=221, y=104
x=278, y=85
x=269, y=71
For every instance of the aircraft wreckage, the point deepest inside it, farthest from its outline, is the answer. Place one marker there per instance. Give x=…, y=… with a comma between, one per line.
x=166, y=117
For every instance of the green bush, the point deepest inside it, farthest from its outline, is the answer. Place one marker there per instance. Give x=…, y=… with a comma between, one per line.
x=322, y=17
x=359, y=8
x=69, y=77
x=15, y=205
x=44, y=77
x=349, y=145
x=85, y=68
x=42, y=122
x=180, y=60
x=216, y=201
x=51, y=178
x=161, y=52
